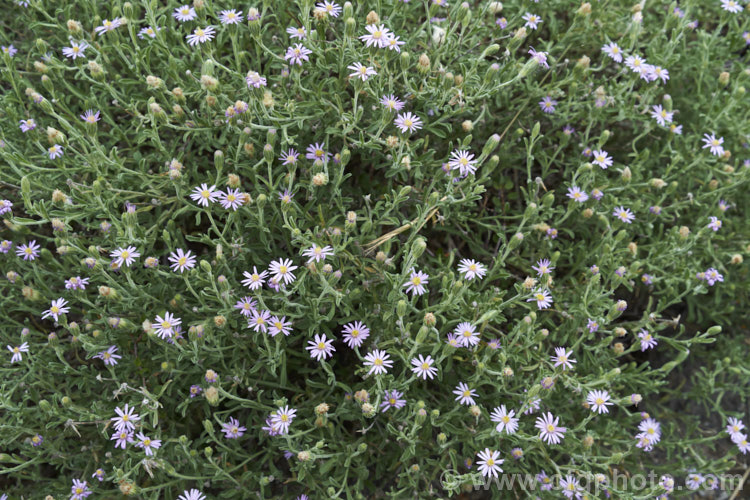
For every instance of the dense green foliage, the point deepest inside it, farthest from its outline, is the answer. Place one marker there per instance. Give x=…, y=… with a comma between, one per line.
x=513, y=137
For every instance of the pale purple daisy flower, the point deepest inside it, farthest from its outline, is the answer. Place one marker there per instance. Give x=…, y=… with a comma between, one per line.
x=231, y=200
x=467, y=334
x=659, y=73
x=394, y=42
x=192, y=494
x=184, y=13
x=98, y=474
x=317, y=253
x=407, y=121
x=711, y=141
x=282, y=418
x=230, y=16
x=647, y=340
x=362, y=72
x=5, y=206
x=489, y=462
x=126, y=419
x=602, y=159
x=255, y=279
x=613, y=51
x=27, y=125
x=125, y=256
x=232, y=429
x=422, y=367
x=90, y=117
x=464, y=395
x=734, y=426
x=289, y=157
x=317, y=152
x=464, y=161
x=715, y=223
x=731, y=6
x=282, y=271
x=109, y=357
x=392, y=399
x=570, y=487
x=253, y=79
x=592, y=325
x=542, y=267
x=379, y=361
x=279, y=325
x=598, y=400
x=417, y=282
x=542, y=298
x=55, y=151
x=661, y=115
x=57, y=308
x=377, y=35
x=246, y=305
x=577, y=194
x=17, y=356
x=331, y=8
x=10, y=50
x=539, y=57
x=712, y=276
x=321, y=347
x=298, y=33
x=148, y=444
x=506, y=420
x=181, y=260
x=148, y=31
x=75, y=50
x=259, y=320
x=392, y=103
x=548, y=104
x=80, y=489
x=624, y=214
x=108, y=26
x=195, y=390
x=204, y=194
x=471, y=269
x=453, y=340
x=549, y=430
x=201, y=35
x=545, y=482
x=297, y=54
x=532, y=20
x=28, y=251
x=164, y=326
x=5, y=246
x=355, y=334
x=563, y=358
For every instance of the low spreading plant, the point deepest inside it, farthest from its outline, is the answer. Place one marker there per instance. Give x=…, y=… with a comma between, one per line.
x=390, y=249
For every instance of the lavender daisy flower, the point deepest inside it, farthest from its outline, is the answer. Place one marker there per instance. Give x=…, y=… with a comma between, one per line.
x=379, y=361
x=542, y=298
x=647, y=340
x=563, y=358
x=108, y=26
x=55, y=151
x=715, y=224
x=624, y=214
x=57, y=308
x=246, y=305
x=577, y=194
x=75, y=50
x=148, y=444
x=279, y=325
x=321, y=347
x=181, y=260
x=464, y=161
x=5, y=206
x=549, y=430
x=204, y=195
x=29, y=251
x=10, y=50
x=539, y=57
x=714, y=143
x=613, y=51
x=355, y=334
x=259, y=320
x=230, y=16
x=298, y=33
x=532, y=20
x=377, y=35
x=148, y=31
x=548, y=104
x=192, y=494
x=232, y=199
x=422, y=367
x=17, y=352
x=464, y=395
x=316, y=152
x=80, y=489
x=417, y=282
x=90, y=117
x=297, y=54
x=109, y=357
x=392, y=399
x=5, y=246
x=598, y=401
x=392, y=103
x=253, y=79
x=27, y=125
x=407, y=121
x=201, y=35
x=362, y=72
x=184, y=13
x=286, y=196
x=289, y=157
x=232, y=429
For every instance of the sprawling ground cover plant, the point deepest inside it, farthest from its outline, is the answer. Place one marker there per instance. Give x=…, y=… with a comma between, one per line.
x=382, y=249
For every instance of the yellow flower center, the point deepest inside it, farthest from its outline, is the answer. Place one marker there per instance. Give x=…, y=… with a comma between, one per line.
x=599, y=401
x=321, y=345
x=54, y=309
x=505, y=419
x=416, y=281
x=181, y=261
x=146, y=442
x=550, y=428
x=378, y=362
x=425, y=366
